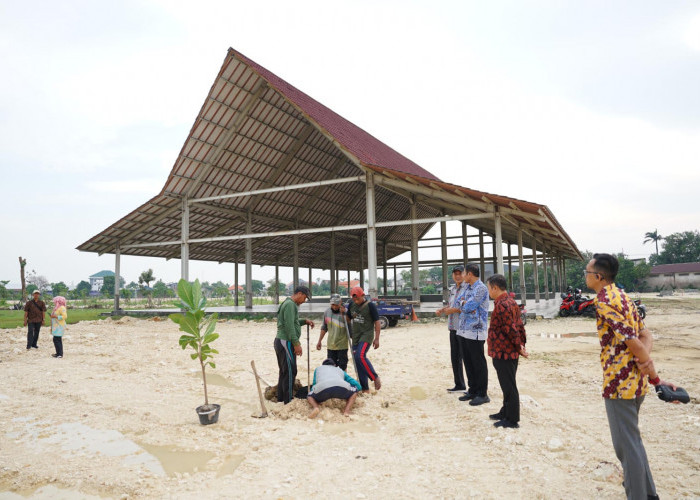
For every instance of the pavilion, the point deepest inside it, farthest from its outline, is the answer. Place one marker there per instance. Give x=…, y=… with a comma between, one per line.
x=269, y=176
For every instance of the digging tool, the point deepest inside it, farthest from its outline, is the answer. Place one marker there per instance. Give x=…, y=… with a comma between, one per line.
x=347, y=331
x=262, y=402
x=308, y=362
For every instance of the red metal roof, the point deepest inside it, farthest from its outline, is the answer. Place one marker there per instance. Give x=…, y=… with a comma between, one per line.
x=685, y=267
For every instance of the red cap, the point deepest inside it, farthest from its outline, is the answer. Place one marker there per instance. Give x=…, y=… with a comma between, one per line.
x=357, y=291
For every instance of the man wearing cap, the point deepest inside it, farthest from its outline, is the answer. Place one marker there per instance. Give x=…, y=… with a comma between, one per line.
x=287, y=345
x=34, y=317
x=332, y=382
x=335, y=325
x=365, y=331
x=452, y=311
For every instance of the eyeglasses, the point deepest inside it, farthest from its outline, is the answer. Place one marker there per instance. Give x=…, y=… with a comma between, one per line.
x=589, y=272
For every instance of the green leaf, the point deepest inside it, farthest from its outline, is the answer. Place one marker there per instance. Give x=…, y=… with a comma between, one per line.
x=186, y=293
x=211, y=363
x=193, y=356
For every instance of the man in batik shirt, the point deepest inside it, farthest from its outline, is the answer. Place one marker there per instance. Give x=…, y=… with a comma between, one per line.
x=625, y=345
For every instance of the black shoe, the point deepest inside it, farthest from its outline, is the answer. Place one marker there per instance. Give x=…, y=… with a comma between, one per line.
x=480, y=400
x=56, y=356
x=467, y=396
x=496, y=416
x=35, y=347
x=506, y=424
x=456, y=389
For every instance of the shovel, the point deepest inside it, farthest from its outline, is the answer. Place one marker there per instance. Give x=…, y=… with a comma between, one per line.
x=257, y=382
x=308, y=362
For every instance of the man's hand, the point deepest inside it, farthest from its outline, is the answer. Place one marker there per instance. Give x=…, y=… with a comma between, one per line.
x=523, y=352
x=310, y=323
x=647, y=368
x=297, y=350
x=25, y=323
x=439, y=311
x=375, y=344
x=318, y=346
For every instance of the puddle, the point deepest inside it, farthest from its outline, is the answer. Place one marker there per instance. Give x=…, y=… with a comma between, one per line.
x=417, y=393
x=230, y=465
x=578, y=334
x=215, y=379
x=351, y=426
x=175, y=460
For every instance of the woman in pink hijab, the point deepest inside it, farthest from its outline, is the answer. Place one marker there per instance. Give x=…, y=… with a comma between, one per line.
x=58, y=324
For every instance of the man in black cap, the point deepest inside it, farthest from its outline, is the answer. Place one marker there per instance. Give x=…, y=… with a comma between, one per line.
x=34, y=316
x=287, y=345
x=452, y=311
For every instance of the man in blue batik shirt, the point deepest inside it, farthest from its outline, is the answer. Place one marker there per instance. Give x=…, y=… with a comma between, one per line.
x=472, y=332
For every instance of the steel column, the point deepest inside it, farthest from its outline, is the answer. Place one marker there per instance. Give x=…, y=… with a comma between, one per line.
x=521, y=263
x=249, y=264
x=184, y=245
x=371, y=236
x=535, y=273
x=498, y=256
x=443, y=241
x=117, y=265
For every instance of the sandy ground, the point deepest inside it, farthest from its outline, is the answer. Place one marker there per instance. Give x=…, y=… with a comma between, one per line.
x=115, y=419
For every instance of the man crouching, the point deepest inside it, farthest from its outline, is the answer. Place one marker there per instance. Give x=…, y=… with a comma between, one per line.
x=332, y=382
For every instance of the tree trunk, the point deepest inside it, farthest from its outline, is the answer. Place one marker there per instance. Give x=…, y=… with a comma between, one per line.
x=22, y=263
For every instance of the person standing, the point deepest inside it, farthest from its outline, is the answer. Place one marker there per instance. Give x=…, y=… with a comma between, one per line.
x=335, y=325
x=34, y=311
x=506, y=343
x=452, y=311
x=625, y=347
x=287, y=345
x=473, y=318
x=58, y=324
x=332, y=382
x=365, y=332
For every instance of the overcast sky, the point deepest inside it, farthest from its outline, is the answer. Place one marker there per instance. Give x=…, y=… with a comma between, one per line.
x=591, y=108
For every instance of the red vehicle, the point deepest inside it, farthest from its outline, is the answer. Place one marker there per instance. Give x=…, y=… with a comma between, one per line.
x=575, y=304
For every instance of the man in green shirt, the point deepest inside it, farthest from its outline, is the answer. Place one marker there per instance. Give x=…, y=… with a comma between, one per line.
x=287, y=345
x=335, y=325
x=365, y=332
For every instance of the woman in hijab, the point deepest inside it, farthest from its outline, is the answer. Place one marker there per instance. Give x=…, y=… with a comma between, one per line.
x=58, y=324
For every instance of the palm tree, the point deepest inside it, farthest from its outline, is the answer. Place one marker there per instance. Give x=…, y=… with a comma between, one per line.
x=655, y=237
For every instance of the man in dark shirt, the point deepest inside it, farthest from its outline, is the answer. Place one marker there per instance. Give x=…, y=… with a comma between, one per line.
x=364, y=330
x=506, y=343
x=34, y=311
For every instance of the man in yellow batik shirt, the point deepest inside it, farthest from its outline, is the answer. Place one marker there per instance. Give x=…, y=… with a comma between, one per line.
x=625, y=345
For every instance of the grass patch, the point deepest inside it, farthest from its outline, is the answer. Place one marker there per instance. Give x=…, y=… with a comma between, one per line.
x=13, y=319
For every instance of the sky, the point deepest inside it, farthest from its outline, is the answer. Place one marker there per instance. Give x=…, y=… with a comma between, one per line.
x=589, y=107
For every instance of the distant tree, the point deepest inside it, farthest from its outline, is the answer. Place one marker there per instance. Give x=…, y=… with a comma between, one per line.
x=82, y=286
x=126, y=293
x=59, y=288
x=271, y=288
x=630, y=275
x=3, y=290
x=107, y=288
x=160, y=289
x=678, y=248
x=321, y=288
x=219, y=289
x=146, y=277
x=257, y=286
x=655, y=237
x=40, y=282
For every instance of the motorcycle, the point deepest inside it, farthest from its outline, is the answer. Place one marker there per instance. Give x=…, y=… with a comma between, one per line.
x=575, y=304
x=641, y=308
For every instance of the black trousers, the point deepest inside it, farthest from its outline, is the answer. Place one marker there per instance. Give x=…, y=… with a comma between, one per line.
x=475, y=364
x=58, y=344
x=506, y=370
x=456, y=359
x=33, y=334
x=287, y=363
x=340, y=357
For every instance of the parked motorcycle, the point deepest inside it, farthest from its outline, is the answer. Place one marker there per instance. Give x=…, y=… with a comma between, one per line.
x=641, y=308
x=575, y=304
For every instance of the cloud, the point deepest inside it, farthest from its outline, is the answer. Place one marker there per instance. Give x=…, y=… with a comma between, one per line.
x=691, y=35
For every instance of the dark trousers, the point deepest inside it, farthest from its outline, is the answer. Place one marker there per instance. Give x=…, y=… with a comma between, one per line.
x=365, y=369
x=33, y=334
x=506, y=370
x=340, y=357
x=456, y=358
x=287, y=363
x=623, y=419
x=475, y=364
x=58, y=344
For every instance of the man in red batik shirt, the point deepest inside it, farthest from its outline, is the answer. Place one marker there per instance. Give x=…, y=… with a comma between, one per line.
x=506, y=343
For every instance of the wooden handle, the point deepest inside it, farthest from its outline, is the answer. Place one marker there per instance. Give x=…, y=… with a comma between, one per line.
x=257, y=382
